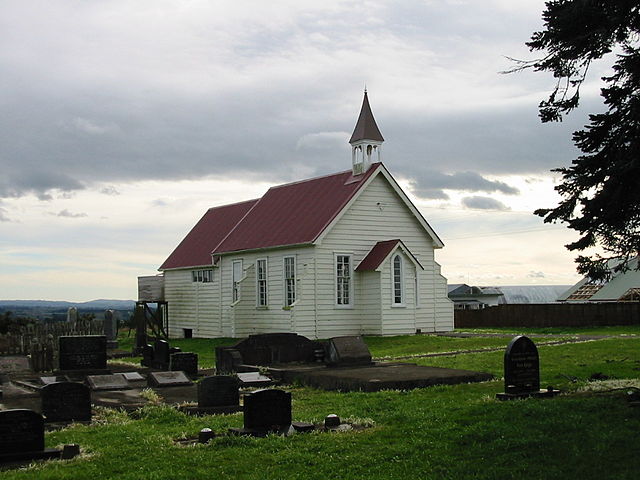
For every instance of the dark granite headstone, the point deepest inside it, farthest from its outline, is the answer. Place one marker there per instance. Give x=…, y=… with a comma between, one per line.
x=343, y=351
x=218, y=391
x=66, y=402
x=266, y=349
x=161, y=354
x=21, y=431
x=168, y=379
x=147, y=355
x=87, y=352
x=268, y=410
x=184, y=361
x=521, y=366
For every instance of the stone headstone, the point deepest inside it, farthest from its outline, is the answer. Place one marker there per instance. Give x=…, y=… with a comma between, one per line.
x=347, y=351
x=184, y=361
x=57, y=378
x=131, y=376
x=267, y=410
x=521, y=366
x=66, y=402
x=22, y=431
x=266, y=349
x=147, y=355
x=87, y=352
x=111, y=328
x=218, y=391
x=107, y=382
x=161, y=355
x=72, y=314
x=254, y=379
x=168, y=379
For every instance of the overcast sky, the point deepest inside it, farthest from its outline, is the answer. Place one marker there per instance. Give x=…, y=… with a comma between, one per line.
x=123, y=121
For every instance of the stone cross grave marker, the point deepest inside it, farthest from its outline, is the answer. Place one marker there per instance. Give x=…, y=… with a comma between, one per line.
x=87, y=352
x=184, y=361
x=66, y=402
x=218, y=391
x=345, y=351
x=267, y=410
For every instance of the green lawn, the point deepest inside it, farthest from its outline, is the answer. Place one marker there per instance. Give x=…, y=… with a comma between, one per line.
x=617, y=330
x=453, y=432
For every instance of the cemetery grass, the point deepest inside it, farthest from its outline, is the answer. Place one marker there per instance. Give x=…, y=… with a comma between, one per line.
x=612, y=330
x=447, y=432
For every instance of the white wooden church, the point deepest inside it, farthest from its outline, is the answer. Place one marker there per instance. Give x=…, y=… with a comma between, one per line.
x=343, y=254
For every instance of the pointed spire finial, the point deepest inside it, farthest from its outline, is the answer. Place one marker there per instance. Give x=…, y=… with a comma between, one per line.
x=366, y=127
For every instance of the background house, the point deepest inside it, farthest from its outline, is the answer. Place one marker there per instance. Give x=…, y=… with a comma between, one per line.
x=467, y=297
x=621, y=287
x=342, y=254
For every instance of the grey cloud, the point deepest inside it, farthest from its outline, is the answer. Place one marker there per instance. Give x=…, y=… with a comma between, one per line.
x=533, y=274
x=430, y=184
x=110, y=190
x=484, y=203
x=67, y=214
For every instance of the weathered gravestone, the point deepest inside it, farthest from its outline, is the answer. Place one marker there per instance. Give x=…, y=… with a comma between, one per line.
x=111, y=328
x=147, y=355
x=184, y=361
x=87, y=352
x=54, y=379
x=347, y=351
x=22, y=436
x=66, y=402
x=107, y=382
x=522, y=371
x=217, y=394
x=72, y=314
x=267, y=410
x=168, y=379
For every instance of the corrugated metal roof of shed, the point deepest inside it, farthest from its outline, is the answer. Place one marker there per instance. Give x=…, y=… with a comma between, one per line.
x=195, y=249
x=295, y=213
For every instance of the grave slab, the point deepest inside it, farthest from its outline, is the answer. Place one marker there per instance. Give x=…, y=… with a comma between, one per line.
x=253, y=379
x=347, y=351
x=132, y=376
x=168, y=379
x=107, y=382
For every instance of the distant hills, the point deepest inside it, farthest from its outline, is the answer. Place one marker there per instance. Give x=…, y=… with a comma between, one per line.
x=102, y=304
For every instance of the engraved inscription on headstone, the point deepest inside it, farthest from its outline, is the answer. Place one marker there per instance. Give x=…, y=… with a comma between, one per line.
x=66, y=402
x=87, y=352
x=521, y=366
x=22, y=431
x=267, y=410
x=218, y=391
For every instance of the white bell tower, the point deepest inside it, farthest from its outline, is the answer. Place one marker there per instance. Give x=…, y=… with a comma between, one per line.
x=366, y=141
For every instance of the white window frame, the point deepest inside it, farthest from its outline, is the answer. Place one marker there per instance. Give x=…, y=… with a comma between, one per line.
x=260, y=300
x=337, y=282
x=235, y=282
x=202, y=276
x=394, y=303
x=286, y=281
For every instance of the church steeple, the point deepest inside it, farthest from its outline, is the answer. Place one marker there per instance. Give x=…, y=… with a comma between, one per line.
x=366, y=140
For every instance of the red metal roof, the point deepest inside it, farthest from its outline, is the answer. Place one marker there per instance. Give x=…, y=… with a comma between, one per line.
x=195, y=249
x=295, y=213
x=377, y=255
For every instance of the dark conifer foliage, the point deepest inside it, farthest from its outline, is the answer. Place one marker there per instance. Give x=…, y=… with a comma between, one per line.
x=601, y=189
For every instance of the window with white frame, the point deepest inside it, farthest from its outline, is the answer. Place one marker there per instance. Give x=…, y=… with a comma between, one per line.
x=236, y=275
x=261, y=282
x=202, y=276
x=397, y=279
x=344, y=289
x=289, y=264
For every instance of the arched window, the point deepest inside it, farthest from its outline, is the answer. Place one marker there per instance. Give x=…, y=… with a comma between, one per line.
x=398, y=284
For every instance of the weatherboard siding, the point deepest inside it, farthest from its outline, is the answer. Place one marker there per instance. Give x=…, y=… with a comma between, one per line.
x=379, y=214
